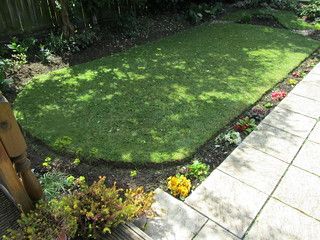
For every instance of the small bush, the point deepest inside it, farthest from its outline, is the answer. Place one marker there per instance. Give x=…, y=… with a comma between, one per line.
x=198, y=13
x=54, y=183
x=245, y=124
x=311, y=11
x=197, y=170
x=87, y=212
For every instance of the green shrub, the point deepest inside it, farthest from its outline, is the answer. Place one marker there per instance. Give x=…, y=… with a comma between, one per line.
x=197, y=13
x=197, y=170
x=46, y=222
x=59, y=44
x=54, y=183
x=87, y=212
x=311, y=11
x=277, y=4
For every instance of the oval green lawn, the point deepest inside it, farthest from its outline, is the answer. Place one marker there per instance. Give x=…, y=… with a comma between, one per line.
x=160, y=101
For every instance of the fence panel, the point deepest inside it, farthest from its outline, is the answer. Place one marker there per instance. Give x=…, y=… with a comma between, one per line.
x=19, y=16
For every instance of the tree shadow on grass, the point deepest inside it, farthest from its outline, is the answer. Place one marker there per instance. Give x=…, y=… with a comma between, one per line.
x=160, y=101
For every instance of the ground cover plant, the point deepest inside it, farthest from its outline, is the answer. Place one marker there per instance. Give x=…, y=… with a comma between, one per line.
x=287, y=19
x=159, y=102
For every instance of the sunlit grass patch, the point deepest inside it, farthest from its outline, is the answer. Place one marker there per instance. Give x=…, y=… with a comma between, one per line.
x=160, y=101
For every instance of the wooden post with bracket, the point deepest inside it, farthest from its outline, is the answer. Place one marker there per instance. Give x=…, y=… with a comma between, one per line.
x=15, y=167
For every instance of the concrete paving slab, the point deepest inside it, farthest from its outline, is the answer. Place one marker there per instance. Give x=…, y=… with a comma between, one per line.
x=315, y=134
x=302, y=105
x=254, y=168
x=227, y=201
x=309, y=157
x=308, y=90
x=212, y=231
x=300, y=190
x=290, y=122
x=174, y=220
x=281, y=222
x=275, y=142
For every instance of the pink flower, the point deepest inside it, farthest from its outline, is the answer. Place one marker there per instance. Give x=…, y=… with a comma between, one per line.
x=278, y=95
x=296, y=74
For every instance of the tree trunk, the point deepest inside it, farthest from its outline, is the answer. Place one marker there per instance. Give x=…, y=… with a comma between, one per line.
x=67, y=28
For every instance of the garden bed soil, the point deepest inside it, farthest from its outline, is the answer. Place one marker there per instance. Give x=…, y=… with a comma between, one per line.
x=151, y=176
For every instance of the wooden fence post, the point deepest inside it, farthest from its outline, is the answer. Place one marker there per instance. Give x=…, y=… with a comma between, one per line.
x=15, y=147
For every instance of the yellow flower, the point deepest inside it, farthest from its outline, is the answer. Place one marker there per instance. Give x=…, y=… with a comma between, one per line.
x=179, y=186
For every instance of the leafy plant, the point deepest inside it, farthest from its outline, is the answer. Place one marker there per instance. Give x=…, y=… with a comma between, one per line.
x=47, y=163
x=54, y=183
x=233, y=137
x=179, y=186
x=258, y=113
x=133, y=173
x=197, y=170
x=246, y=125
x=87, y=212
x=311, y=10
x=45, y=54
x=268, y=105
x=62, y=143
x=76, y=161
x=46, y=222
x=197, y=13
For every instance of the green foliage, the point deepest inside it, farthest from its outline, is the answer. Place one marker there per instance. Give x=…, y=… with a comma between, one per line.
x=232, y=137
x=76, y=161
x=198, y=13
x=245, y=124
x=54, y=183
x=87, y=212
x=197, y=170
x=268, y=105
x=133, y=173
x=311, y=10
x=276, y=4
x=62, y=143
x=59, y=44
x=46, y=222
x=44, y=54
x=47, y=163
x=153, y=102
x=288, y=19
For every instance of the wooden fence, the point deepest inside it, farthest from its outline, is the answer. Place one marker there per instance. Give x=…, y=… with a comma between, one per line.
x=20, y=16
x=28, y=16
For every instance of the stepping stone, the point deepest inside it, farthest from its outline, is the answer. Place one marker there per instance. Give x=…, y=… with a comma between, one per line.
x=227, y=201
x=290, y=122
x=309, y=157
x=312, y=78
x=316, y=69
x=212, y=231
x=308, y=90
x=315, y=134
x=254, y=168
x=302, y=105
x=275, y=142
x=173, y=219
x=281, y=222
x=300, y=190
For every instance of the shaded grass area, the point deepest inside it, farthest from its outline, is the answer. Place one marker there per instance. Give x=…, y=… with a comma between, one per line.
x=288, y=19
x=160, y=101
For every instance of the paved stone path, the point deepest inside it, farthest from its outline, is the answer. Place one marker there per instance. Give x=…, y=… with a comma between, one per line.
x=268, y=188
